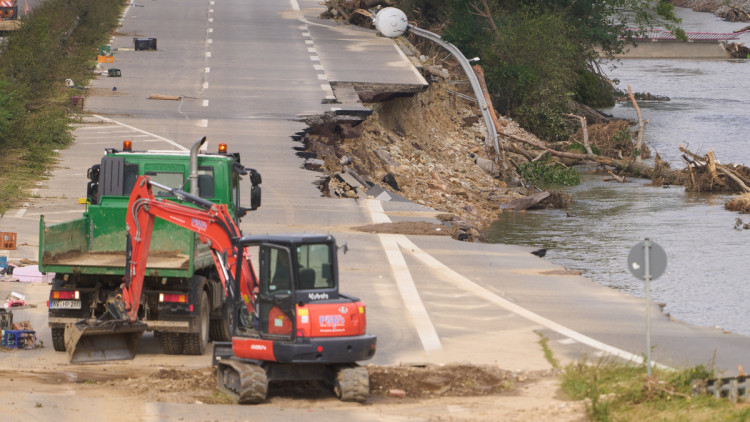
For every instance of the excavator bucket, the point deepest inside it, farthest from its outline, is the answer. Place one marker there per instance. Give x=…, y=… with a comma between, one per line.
x=102, y=341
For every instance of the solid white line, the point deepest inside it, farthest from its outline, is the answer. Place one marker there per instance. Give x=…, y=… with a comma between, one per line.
x=295, y=5
x=169, y=141
x=448, y=274
x=465, y=284
x=413, y=69
x=405, y=283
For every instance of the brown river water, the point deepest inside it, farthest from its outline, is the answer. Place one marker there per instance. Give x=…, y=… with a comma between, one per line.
x=706, y=281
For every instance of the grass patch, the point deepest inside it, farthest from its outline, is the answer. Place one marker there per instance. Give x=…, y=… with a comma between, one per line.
x=218, y=397
x=544, y=342
x=59, y=39
x=615, y=391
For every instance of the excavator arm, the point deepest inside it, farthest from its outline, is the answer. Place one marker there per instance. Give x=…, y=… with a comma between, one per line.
x=116, y=336
x=212, y=222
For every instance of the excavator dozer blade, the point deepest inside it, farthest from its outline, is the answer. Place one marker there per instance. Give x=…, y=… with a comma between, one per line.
x=100, y=342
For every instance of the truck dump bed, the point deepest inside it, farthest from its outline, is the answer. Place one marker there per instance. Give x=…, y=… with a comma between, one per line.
x=70, y=247
x=156, y=259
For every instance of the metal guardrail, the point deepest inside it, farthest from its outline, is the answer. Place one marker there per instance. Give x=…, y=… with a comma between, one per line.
x=472, y=77
x=732, y=388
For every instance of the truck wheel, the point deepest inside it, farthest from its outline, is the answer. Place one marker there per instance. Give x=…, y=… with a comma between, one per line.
x=58, y=339
x=196, y=343
x=221, y=328
x=171, y=343
x=352, y=384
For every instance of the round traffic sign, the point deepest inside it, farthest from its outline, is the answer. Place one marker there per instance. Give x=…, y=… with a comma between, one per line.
x=657, y=260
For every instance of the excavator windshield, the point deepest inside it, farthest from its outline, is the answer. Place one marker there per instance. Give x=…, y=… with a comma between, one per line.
x=315, y=263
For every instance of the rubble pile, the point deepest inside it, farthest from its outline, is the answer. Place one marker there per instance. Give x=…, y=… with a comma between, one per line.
x=428, y=148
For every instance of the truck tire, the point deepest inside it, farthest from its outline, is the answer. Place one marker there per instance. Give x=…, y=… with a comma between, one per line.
x=196, y=343
x=58, y=339
x=352, y=384
x=221, y=328
x=171, y=343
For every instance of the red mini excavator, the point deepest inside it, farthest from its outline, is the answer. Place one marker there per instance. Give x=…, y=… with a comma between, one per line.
x=289, y=323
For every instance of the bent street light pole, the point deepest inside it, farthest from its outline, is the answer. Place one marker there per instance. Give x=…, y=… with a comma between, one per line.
x=466, y=66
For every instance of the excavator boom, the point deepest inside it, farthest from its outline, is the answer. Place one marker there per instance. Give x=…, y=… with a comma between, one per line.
x=116, y=335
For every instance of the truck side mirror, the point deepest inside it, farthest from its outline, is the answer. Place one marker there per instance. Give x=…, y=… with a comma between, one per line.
x=254, y=198
x=93, y=172
x=92, y=187
x=255, y=181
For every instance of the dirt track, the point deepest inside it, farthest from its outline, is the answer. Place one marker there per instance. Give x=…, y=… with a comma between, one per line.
x=40, y=385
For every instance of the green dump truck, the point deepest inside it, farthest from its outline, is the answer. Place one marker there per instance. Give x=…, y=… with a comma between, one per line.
x=88, y=254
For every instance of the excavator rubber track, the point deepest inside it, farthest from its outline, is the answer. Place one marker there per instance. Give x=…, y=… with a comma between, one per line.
x=352, y=384
x=246, y=382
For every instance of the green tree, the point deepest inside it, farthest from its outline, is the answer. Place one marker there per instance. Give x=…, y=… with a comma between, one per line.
x=539, y=55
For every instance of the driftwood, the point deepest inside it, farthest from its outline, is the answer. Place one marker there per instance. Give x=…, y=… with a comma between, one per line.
x=615, y=177
x=716, y=177
x=641, y=125
x=520, y=204
x=585, y=130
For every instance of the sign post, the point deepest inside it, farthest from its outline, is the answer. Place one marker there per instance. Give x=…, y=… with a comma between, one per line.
x=646, y=261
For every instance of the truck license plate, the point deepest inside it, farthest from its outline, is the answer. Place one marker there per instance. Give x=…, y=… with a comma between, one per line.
x=65, y=304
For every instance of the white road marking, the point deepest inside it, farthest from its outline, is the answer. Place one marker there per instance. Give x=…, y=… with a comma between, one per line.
x=202, y=123
x=405, y=283
x=315, y=58
x=318, y=66
x=322, y=77
x=207, y=70
x=205, y=103
x=378, y=215
x=208, y=54
x=205, y=85
x=169, y=141
x=567, y=341
x=311, y=50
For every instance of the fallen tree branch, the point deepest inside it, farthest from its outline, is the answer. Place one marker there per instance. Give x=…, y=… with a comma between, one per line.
x=641, y=125
x=585, y=131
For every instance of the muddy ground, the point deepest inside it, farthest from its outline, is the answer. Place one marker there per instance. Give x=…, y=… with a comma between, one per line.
x=458, y=393
x=39, y=384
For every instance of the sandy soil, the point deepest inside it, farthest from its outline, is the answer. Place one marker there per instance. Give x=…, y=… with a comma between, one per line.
x=39, y=384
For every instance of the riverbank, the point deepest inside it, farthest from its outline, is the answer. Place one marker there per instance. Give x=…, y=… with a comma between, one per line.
x=718, y=7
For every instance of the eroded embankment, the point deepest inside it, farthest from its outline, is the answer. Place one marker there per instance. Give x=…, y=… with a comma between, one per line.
x=428, y=148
